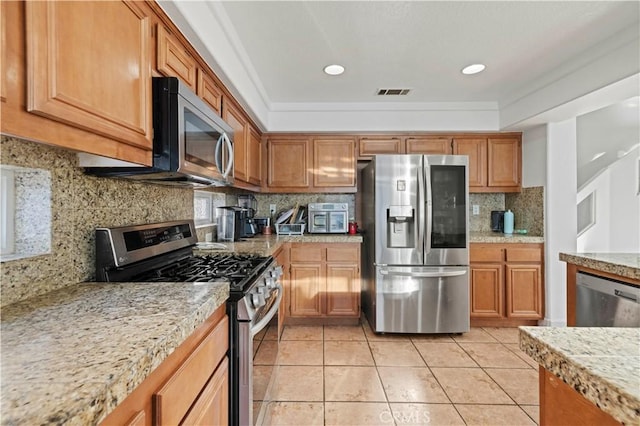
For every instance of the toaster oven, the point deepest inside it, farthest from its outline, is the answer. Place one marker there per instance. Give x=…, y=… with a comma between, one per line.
x=328, y=218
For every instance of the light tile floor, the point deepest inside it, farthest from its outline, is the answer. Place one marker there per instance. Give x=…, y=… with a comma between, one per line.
x=348, y=375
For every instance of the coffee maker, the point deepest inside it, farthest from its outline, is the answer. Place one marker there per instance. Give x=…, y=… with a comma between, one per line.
x=235, y=223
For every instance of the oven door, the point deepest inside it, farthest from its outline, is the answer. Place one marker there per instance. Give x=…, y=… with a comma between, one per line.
x=337, y=222
x=318, y=222
x=255, y=380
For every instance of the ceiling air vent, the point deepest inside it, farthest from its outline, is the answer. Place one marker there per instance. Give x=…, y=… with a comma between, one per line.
x=392, y=92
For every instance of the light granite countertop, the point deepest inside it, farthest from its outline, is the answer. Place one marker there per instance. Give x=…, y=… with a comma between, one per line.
x=267, y=245
x=623, y=264
x=498, y=237
x=602, y=364
x=72, y=355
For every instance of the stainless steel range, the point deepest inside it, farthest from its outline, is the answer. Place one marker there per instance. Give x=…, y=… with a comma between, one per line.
x=163, y=252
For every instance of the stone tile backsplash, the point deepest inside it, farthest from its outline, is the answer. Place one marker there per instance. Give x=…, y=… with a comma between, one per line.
x=528, y=209
x=79, y=204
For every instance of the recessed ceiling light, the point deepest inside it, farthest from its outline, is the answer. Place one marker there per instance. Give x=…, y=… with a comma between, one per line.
x=334, y=69
x=473, y=69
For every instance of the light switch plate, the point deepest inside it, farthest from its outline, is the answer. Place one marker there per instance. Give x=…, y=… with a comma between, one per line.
x=476, y=209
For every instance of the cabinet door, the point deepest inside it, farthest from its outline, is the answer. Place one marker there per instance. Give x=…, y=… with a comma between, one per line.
x=306, y=289
x=369, y=146
x=476, y=149
x=209, y=91
x=288, y=163
x=235, y=118
x=254, y=157
x=504, y=162
x=334, y=162
x=343, y=290
x=524, y=291
x=212, y=405
x=173, y=60
x=88, y=66
x=3, y=53
x=428, y=145
x=487, y=290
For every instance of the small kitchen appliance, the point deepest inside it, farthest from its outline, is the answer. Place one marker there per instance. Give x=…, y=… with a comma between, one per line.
x=163, y=252
x=497, y=220
x=235, y=223
x=328, y=218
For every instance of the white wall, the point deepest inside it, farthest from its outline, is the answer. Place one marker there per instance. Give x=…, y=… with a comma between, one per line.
x=560, y=216
x=534, y=156
x=617, y=225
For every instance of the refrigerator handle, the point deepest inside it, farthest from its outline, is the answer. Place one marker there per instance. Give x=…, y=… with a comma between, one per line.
x=437, y=274
x=420, y=210
x=429, y=219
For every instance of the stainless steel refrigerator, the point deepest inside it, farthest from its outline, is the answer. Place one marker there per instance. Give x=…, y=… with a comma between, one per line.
x=415, y=265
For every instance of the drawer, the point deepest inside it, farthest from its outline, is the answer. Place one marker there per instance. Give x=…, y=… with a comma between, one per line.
x=177, y=395
x=306, y=253
x=486, y=253
x=343, y=253
x=524, y=254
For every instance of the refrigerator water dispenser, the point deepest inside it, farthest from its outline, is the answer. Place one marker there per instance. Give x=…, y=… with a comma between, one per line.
x=400, y=227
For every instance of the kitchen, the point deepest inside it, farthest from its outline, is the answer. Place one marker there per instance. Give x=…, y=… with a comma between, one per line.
x=80, y=203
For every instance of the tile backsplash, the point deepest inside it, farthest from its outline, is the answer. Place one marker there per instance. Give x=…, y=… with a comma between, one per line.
x=79, y=204
x=527, y=207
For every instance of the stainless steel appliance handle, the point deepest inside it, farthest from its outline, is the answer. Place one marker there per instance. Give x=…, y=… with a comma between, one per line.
x=226, y=140
x=420, y=211
x=625, y=295
x=218, y=156
x=429, y=219
x=422, y=274
x=274, y=309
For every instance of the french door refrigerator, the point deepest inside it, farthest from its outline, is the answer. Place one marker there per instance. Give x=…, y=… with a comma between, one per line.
x=415, y=265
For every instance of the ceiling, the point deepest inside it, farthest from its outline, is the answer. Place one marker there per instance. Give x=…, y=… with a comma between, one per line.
x=271, y=55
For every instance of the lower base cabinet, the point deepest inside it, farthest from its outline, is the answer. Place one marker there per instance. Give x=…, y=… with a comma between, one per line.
x=562, y=405
x=191, y=386
x=507, y=285
x=324, y=280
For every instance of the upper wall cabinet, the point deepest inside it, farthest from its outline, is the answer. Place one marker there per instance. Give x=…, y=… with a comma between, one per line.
x=88, y=66
x=495, y=162
x=246, y=145
x=311, y=163
x=428, y=145
x=368, y=146
x=173, y=60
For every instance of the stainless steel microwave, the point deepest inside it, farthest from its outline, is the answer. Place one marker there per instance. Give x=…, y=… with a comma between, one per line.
x=328, y=218
x=192, y=145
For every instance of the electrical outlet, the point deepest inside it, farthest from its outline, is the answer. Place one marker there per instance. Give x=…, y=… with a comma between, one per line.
x=272, y=209
x=476, y=209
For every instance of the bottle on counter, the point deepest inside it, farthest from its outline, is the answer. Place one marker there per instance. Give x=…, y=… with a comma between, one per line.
x=508, y=222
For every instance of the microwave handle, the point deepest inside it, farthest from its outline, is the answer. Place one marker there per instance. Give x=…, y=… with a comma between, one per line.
x=229, y=168
x=224, y=139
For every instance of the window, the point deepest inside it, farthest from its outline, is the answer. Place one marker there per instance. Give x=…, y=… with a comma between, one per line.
x=7, y=212
x=586, y=213
x=203, y=208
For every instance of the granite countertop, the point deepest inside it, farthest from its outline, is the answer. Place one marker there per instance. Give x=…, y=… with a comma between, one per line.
x=623, y=264
x=72, y=355
x=497, y=237
x=267, y=245
x=601, y=364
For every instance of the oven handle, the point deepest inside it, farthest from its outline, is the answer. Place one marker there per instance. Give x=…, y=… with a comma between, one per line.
x=265, y=320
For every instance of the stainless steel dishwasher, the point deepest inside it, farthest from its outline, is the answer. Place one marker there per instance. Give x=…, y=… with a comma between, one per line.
x=601, y=302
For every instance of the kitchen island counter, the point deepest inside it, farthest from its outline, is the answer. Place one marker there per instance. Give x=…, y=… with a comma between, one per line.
x=625, y=265
x=600, y=364
x=267, y=245
x=72, y=355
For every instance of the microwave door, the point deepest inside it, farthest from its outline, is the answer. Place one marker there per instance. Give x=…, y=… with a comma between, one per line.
x=198, y=138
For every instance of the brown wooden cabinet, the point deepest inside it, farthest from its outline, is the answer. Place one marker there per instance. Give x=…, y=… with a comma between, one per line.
x=246, y=144
x=173, y=59
x=428, y=145
x=494, y=162
x=506, y=283
x=311, y=163
x=324, y=280
x=189, y=387
x=72, y=81
x=368, y=146
x=209, y=91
